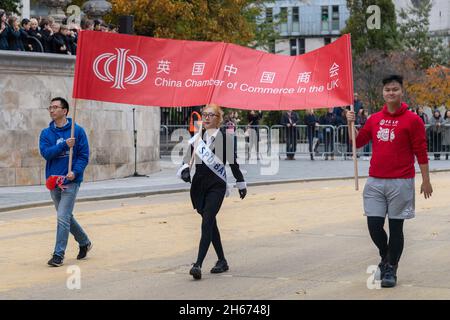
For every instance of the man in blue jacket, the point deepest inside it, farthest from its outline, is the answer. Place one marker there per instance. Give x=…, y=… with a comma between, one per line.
x=54, y=144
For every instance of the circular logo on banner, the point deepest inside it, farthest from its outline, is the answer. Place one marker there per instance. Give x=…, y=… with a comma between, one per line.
x=122, y=59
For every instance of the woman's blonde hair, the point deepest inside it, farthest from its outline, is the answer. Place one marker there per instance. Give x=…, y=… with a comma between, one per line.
x=217, y=110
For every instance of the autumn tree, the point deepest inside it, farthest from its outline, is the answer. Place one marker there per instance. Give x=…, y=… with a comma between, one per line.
x=232, y=21
x=372, y=66
x=434, y=89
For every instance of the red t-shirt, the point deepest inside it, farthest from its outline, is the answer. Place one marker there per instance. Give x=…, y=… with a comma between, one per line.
x=396, y=139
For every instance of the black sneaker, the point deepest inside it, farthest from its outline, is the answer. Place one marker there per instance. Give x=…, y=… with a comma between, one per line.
x=56, y=261
x=83, y=251
x=382, y=267
x=196, y=272
x=221, y=266
x=390, y=277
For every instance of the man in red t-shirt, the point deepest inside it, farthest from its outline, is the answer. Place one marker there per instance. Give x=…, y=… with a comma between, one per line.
x=397, y=135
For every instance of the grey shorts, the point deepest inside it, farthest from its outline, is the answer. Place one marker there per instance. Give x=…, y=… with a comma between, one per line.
x=394, y=197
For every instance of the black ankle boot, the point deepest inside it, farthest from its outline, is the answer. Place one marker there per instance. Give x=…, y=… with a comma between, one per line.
x=221, y=266
x=196, y=272
x=390, y=277
x=382, y=267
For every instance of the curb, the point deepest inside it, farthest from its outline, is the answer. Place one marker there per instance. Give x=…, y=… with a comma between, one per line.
x=177, y=190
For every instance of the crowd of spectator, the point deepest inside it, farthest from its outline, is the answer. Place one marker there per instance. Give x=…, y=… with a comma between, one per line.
x=438, y=131
x=44, y=34
x=330, y=127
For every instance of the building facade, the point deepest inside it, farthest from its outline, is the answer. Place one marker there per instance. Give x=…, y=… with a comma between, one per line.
x=439, y=17
x=306, y=24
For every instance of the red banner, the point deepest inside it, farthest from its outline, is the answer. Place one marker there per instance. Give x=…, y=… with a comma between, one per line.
x=172, y=73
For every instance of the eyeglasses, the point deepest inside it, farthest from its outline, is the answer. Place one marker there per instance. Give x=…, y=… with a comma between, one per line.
x=51, y=108
x=208, y=115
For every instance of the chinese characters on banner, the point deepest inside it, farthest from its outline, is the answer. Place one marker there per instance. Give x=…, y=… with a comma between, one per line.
x=172, y=73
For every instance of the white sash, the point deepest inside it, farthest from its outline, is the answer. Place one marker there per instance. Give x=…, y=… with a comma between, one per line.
x=211, y=160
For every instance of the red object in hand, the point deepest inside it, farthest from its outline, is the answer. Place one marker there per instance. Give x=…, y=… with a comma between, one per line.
x=55, y=181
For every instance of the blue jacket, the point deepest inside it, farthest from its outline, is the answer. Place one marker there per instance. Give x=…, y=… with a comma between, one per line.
x=54, y=149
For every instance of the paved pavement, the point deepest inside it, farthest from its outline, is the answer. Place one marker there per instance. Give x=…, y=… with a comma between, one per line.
x=297, y=241
x=165, y=181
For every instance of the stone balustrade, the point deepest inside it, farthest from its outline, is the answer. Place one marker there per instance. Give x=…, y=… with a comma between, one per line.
x=28, y=81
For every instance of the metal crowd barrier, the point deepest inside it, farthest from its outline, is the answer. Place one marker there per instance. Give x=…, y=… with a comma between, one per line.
x=252, y=141
x=344, y=146
x=304, y=140
x=324, y=141
x=438, y=141
x=163, y=140
x=166, y=137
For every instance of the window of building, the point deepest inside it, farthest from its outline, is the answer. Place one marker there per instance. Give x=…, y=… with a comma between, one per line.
x=297, y=46
x=301, y=45
x=269, y=15
x=293, y=46
x=325, y=18
x=283, y=19
x=272, y=46
x=335, y=18
x=295, y=19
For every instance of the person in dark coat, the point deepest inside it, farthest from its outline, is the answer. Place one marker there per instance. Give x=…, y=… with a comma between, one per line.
x=209, y=185
x=4, y=31
x=357, y=104
x=35, y=35
x=47, y=35
x=345, y=137
x=446, y=134
x=329, y=120
x=253, y=118
x=15, y=35
x=311, y=122
x=59, y=40
x=72, y=39
x=24, y=33
x=290, y=120
x=436, y=129
x=361, y=120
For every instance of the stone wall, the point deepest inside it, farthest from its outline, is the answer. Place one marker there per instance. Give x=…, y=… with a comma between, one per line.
x=27, y=83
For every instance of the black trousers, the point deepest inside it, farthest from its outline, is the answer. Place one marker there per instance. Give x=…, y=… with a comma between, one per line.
x=310, y=134
x=213, y=199
x=291, y=140
x=390, y=250
x=329, y=142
